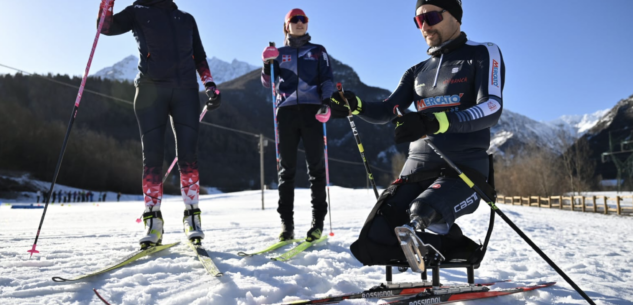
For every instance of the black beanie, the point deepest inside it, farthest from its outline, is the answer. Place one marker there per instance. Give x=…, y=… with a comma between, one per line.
x=452, y=6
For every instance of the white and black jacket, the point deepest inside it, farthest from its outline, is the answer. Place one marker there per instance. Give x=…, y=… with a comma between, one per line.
x=463, y=79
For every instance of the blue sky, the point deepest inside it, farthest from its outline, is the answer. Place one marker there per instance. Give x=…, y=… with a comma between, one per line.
x=562, y=57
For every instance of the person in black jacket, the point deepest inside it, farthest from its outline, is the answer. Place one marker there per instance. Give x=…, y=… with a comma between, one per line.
x=457, y=93
x=170, y=52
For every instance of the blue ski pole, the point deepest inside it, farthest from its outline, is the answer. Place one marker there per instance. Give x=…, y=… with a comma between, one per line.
x=274, y=101
x=327, y=177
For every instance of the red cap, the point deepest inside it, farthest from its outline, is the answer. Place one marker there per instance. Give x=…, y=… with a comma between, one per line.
x=294, y=12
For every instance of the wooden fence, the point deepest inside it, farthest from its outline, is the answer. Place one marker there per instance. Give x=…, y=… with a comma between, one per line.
x=620, y=205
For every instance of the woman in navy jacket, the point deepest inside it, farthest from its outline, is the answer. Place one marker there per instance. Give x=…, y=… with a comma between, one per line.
x=304, y=85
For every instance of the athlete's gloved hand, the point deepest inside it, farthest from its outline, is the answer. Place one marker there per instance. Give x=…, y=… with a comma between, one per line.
x=103, y=4
x=215, y=98
x=269, y=55
x=414, y=125
x=108, y=7
x=323, y=115
x=340, y=109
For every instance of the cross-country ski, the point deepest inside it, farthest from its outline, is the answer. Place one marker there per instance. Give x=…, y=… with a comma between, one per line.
x=132, y=257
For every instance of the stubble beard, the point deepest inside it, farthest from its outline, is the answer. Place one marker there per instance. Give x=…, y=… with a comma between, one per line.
x=436, y=40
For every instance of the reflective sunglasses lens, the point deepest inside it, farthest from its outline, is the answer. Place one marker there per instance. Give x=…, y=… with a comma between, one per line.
x=296, y=19
x=419, y=19
x=433, y=18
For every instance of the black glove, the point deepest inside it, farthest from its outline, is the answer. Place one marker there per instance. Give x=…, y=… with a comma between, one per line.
x=215, y=97
x=340, y=109
x=266, y=69
x=414, y=125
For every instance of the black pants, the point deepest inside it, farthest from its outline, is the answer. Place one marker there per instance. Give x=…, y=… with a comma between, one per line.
x=153, y=106
x=449, y=196
x=298, y=123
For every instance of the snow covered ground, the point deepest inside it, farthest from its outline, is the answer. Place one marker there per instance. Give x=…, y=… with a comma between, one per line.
x=595, y=250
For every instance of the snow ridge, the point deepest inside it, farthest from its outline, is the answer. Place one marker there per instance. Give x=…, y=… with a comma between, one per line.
x=222, y=71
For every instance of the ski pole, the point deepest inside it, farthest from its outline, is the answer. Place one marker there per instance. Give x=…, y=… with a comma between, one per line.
x=494, y=207
x=70, y=124
x=327, y=177
x=274, y=102
x=350, y=118
x=204, y=111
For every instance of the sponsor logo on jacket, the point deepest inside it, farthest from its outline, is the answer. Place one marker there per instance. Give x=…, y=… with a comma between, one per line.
x=286, y=58
x=495, y=73
x=455, y=80
x=440, y=101
x=492, y=106
x=311, y=56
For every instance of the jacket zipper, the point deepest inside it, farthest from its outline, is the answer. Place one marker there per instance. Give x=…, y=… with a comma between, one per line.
x=297, y=77
x=438, y=71
x=175, y=43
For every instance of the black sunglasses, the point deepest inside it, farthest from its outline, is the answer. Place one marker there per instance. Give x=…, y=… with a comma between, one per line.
x=431, y=18
x=296, y=19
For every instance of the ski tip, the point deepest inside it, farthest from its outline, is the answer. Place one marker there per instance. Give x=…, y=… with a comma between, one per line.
x=58, y=279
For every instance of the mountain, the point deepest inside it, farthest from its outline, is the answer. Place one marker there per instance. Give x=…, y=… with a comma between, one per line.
x=222, y=71
x=617, y=123
x=578, y=124
x=124, y=70
x=515, y=131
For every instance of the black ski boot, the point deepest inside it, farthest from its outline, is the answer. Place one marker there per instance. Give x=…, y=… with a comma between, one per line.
x=287, y=231
x=315, y=231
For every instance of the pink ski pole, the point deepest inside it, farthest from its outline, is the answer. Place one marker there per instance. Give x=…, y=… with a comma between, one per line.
x=204, y=111
x=70, y=124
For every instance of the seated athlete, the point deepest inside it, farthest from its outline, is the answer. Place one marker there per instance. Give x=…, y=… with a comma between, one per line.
x=458, y=96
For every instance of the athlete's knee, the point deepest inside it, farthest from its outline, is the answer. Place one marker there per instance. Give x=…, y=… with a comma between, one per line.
x=423, y=214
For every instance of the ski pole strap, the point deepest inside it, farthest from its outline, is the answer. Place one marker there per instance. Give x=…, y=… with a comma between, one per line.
x=192, y=212
x=468, y=175
x=150, y=215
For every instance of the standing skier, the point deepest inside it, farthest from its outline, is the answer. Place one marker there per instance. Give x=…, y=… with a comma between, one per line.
x=166, y=86
x=304, y=85
x=458, y=96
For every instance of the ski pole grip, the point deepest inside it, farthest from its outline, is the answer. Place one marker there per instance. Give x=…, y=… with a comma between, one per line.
x=271, y=44
x=339, y=87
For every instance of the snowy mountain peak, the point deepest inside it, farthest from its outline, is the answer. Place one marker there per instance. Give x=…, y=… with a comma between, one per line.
x=222, y=71
x=578, y=124
x=514, y=130
x=124, y=70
